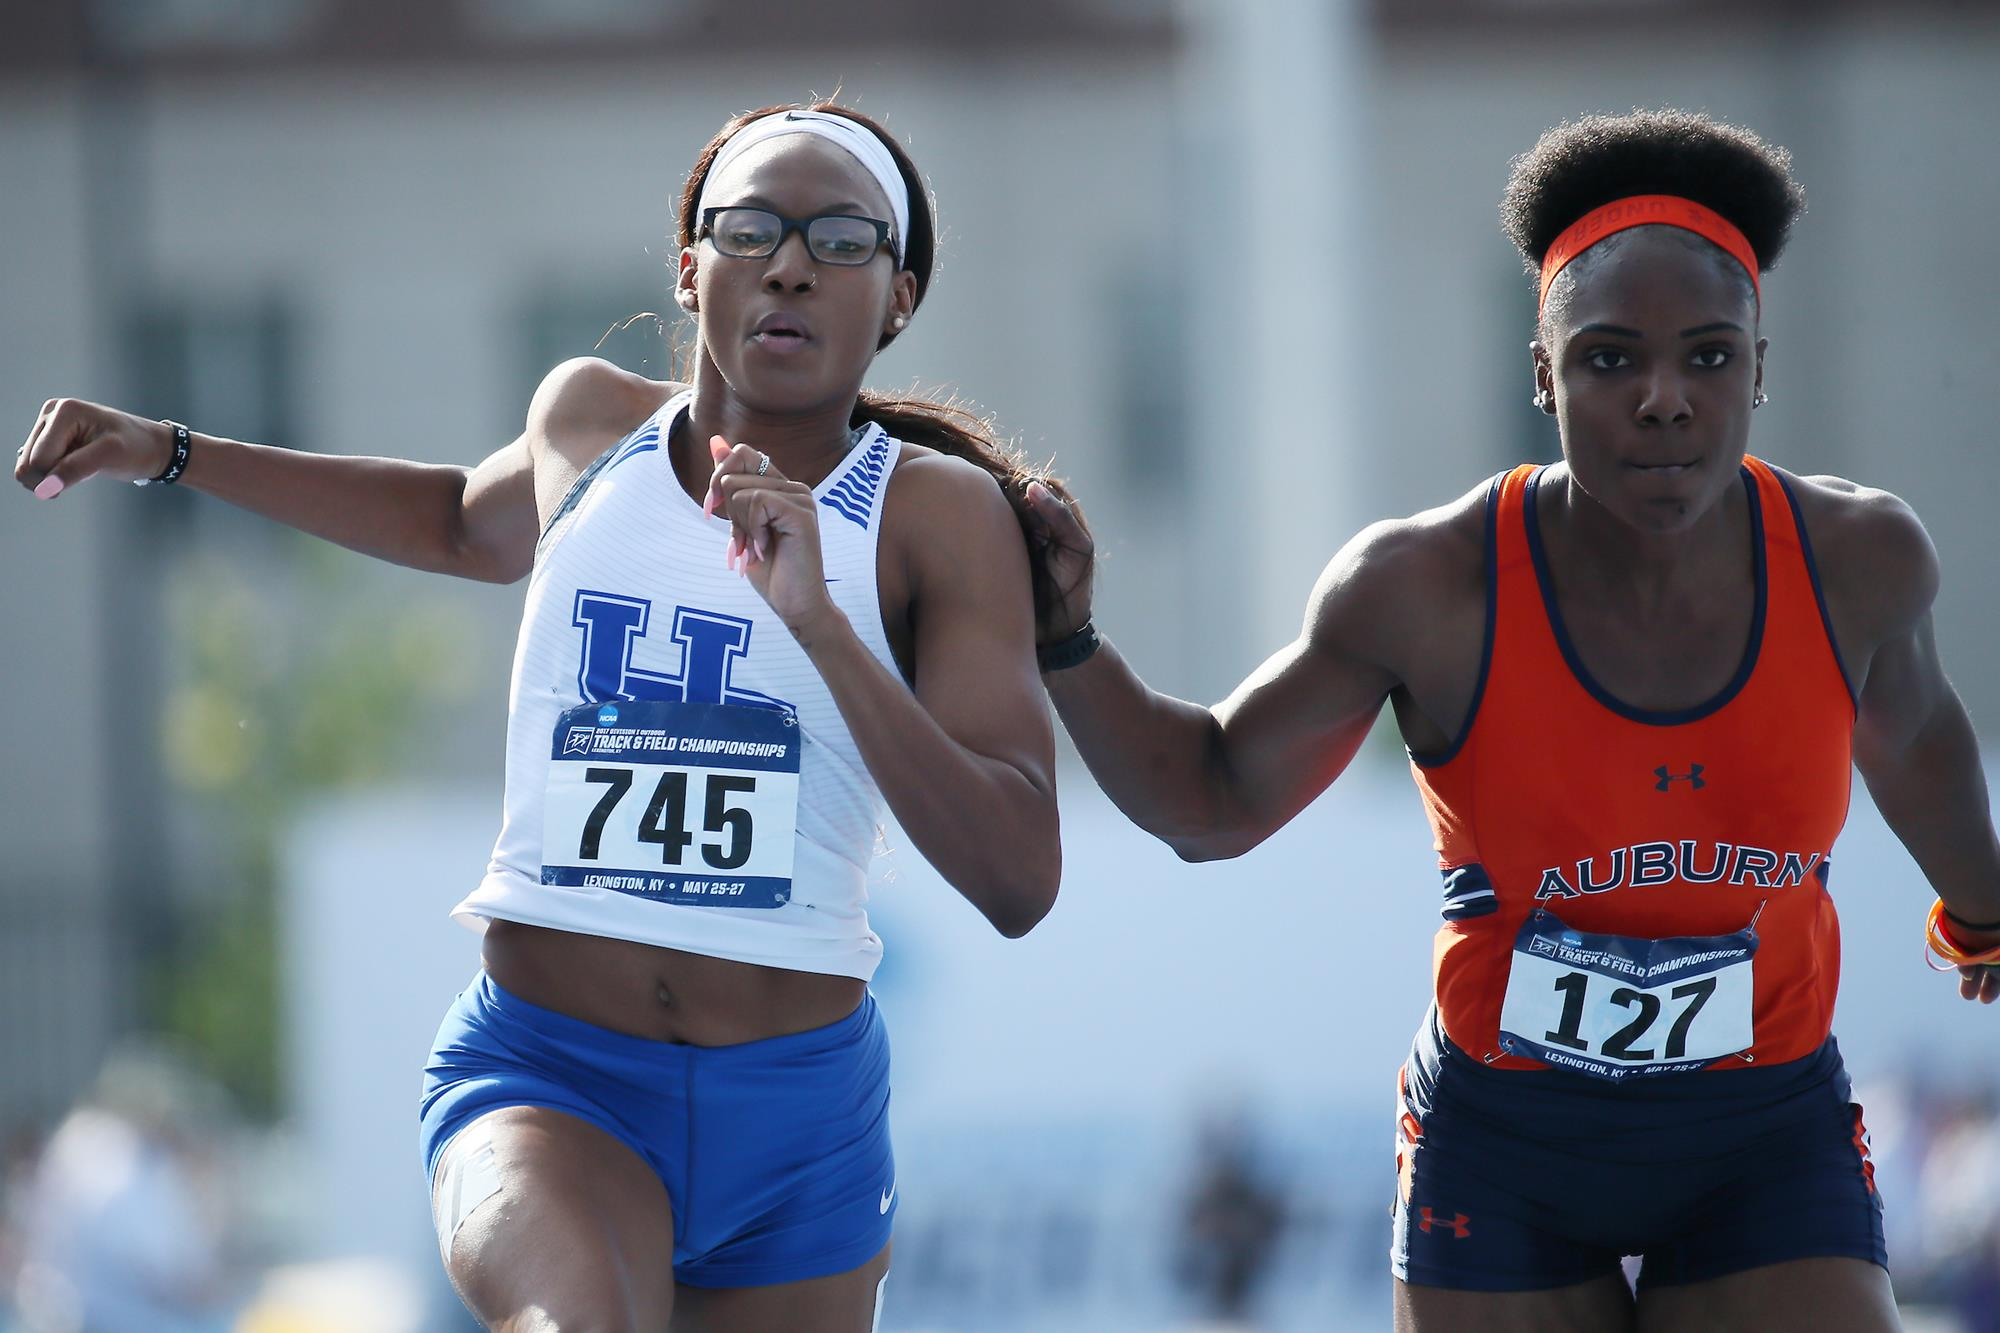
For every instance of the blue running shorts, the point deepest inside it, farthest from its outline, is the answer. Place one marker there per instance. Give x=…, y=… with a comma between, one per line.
x=775, y=1154
x=1520, y=1180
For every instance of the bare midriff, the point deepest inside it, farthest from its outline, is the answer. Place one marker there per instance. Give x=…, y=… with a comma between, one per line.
x=644, y=990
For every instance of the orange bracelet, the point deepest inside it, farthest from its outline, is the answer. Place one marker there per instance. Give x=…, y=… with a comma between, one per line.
x=1938, y=943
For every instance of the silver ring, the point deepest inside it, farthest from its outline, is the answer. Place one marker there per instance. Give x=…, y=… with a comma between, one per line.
x=764, y=466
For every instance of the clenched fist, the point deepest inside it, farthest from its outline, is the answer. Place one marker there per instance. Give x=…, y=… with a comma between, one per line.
x=73, y=440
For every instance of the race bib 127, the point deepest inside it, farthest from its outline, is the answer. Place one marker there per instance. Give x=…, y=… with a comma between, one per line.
x=1614, y=1007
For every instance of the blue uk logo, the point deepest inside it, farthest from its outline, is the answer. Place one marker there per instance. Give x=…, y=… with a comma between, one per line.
x=710, y=643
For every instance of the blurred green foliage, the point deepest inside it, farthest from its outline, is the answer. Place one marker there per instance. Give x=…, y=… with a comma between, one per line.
x=289, y=680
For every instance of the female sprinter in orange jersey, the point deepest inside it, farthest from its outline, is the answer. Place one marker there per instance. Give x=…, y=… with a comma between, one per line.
x=1631, y=684
x=759, y=605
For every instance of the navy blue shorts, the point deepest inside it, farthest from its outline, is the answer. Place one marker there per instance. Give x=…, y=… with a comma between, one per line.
x=1520, y=1180
x=775, y=1154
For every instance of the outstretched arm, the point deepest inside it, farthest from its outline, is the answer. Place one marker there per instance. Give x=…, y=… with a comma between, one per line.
x=1215, y=782
x=476, y=522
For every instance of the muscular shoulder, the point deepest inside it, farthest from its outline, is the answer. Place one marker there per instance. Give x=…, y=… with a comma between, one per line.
x=932, y=487
x=941, y=501
x=588, y=402
x=1403, y=585
x=1876, y=563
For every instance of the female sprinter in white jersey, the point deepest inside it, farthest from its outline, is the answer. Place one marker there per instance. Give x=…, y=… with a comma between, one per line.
x=1631, y=684
x=758, y=605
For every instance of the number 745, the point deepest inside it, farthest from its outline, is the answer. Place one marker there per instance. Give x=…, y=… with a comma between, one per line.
x=664, y=820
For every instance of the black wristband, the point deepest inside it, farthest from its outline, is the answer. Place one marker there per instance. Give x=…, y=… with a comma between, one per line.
x=1963, y=924
x=1074, y=649
x=175, y=465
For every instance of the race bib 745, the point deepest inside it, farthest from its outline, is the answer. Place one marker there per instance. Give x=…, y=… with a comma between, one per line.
x=689, y=803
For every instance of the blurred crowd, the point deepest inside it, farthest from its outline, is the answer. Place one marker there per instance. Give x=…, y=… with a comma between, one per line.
x=1937, y=1153
x=118, y=1218
x=151, y=1208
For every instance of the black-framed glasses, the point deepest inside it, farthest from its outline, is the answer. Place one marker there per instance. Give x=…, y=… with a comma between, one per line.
x=756, y=233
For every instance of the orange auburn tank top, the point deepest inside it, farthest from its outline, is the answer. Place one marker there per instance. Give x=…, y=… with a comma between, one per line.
x=1559, y=802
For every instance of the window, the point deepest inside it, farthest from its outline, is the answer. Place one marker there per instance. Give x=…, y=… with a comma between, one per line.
x=227, y=366
x=1146, y=377
x=1528, y=434
x=632, y=324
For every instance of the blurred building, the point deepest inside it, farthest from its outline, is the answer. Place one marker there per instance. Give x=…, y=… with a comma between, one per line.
x=1235, y=265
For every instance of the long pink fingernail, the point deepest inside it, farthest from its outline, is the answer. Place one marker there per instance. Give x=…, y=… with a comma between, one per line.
x=760, y=550
x=50, y=488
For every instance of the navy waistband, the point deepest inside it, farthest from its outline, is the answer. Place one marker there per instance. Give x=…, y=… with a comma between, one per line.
x=1446, y=1073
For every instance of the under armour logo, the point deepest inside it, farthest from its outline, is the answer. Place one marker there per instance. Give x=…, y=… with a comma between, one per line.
x=1457, y=1223
x=1668, y=779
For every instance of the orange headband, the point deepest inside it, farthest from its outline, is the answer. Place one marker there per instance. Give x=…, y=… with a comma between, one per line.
x=1642, y=210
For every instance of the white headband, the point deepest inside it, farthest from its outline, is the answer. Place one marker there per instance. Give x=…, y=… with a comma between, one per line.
x=856, y=138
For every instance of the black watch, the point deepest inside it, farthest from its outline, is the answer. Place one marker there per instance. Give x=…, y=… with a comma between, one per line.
x=1073, y=649
x=175, y=465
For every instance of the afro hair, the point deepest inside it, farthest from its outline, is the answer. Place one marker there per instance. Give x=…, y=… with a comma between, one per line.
x=1583, y=164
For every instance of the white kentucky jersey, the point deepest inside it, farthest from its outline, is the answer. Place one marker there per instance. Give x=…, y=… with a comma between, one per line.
x=677, y=772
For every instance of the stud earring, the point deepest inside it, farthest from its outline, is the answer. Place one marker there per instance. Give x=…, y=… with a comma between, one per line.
x=898, y=322
x=1761, y=399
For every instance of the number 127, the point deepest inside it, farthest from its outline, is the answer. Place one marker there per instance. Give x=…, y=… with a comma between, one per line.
x=1618, y=1046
